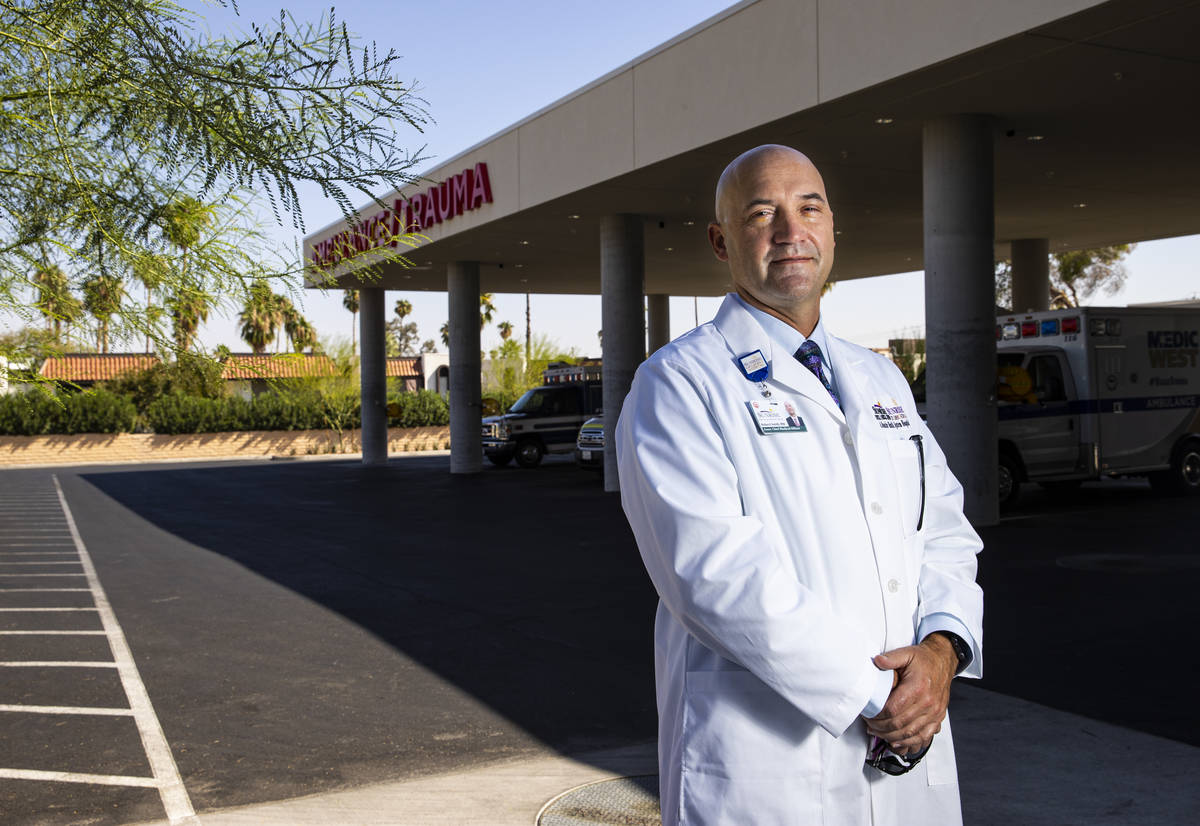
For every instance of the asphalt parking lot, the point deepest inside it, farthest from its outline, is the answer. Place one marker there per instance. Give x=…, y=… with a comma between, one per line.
x=302, y=627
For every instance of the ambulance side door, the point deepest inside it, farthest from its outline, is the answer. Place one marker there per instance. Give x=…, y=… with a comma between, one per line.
x=1050, y=426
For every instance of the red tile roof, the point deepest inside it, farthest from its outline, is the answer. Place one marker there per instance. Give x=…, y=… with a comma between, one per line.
x=404, y=367
x=95, y=366
x=279, y=366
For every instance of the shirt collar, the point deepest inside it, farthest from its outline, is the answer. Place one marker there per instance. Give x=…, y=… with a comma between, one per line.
x=785, y=336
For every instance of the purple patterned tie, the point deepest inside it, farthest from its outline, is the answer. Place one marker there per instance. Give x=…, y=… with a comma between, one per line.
x=809, y=355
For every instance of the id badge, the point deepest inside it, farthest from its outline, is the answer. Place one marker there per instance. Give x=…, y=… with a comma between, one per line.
x=772, y=417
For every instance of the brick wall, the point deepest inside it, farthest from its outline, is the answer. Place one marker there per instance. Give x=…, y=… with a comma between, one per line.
x=103, y=448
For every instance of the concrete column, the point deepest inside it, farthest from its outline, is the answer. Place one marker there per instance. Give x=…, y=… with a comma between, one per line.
x=658, y=321
x=622, y=276
x=1030, y=274
x=960, y=304
x=466, y=449
x=373, y=367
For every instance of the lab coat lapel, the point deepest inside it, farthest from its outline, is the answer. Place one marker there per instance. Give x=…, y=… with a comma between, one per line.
x=851, y=372
x=744, y=335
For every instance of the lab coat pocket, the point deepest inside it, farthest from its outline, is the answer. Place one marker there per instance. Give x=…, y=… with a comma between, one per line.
x=908, y=468
x=940, y=762
x=737, y=727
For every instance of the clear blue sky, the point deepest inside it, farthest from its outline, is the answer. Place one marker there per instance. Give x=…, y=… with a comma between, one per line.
x=482, y=66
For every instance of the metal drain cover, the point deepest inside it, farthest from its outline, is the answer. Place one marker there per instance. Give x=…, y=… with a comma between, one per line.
x=1130, y=563
x=624, y=801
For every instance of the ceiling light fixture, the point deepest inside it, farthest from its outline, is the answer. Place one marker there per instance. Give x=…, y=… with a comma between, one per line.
x=1035, y=137
x=884, y=121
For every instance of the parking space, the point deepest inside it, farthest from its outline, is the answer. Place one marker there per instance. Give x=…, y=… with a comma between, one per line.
x=73, y=710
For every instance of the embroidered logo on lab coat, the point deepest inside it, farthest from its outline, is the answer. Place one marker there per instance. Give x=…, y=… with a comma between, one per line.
x=890, y=417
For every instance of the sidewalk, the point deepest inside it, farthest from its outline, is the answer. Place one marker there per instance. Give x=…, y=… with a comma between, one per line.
x=1019, y=763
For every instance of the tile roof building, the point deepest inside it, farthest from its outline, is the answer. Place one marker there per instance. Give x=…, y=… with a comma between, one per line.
x=247, y=373
x=278, y=366
x=85, y=369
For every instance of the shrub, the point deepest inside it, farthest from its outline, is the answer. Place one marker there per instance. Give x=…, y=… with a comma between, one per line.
x=190, y=375
x=92, y=411
x=29, y=414
x=98, y=411
x=295, y=411
x=425, y=408
x=177, y=413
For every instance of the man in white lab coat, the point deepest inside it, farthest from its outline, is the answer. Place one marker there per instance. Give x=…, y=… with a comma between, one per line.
x=816, y=577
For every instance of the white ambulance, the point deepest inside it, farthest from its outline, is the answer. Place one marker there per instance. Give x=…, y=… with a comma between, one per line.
x=1097, y=391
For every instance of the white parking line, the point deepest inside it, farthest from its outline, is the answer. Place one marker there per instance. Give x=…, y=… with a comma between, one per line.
x=36, y=530
x=56, y=664
x=4, y=575
x=81, y=710
x=45, y=590
x=51, y=633
x=162, y=763
x=75, y=777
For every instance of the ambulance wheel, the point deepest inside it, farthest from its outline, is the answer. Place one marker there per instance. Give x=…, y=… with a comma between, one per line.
x=1009, y=487
x=529, y=453
x=1184, y=475
x=499, y=459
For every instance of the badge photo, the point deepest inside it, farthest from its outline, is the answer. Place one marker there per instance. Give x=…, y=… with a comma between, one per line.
x=776, y=417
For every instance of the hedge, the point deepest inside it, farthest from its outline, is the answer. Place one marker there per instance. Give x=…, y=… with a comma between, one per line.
x=99, y=411
x=424, y=408
x=36, y=413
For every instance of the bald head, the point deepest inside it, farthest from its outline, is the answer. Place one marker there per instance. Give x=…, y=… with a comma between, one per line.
x=774, y=227
x=749, y=164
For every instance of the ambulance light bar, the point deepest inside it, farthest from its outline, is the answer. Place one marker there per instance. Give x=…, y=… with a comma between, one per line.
x=1012, y=329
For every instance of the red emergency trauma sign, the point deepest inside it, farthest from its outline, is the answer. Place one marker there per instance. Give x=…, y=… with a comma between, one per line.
x=469, y=189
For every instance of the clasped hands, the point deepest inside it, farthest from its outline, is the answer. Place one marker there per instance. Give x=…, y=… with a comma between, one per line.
x=914, y=711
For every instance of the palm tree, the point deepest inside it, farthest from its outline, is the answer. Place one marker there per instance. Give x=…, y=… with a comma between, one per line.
x=54, y=299
x=152, y=271
x=350, y=302
x=446, y=333
x=505, y=328
x=486, y=310
x=189, y=309
x=403, y=309
x=300, y=332
x=284, y=310
x=102, y=297
x=258, y=317
x=182, y=222
x=303, y=335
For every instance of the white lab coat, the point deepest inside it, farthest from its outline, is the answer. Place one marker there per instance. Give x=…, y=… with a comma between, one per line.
x=783, y=563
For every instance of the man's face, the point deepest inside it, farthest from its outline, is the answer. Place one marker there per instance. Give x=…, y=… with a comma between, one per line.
x=775, y=229
x=791, y=411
